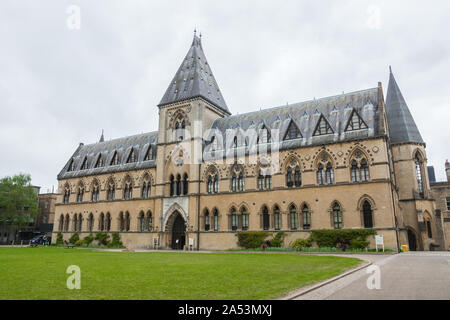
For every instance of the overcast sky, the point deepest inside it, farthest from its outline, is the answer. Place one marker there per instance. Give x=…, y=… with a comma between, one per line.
x=62, y=86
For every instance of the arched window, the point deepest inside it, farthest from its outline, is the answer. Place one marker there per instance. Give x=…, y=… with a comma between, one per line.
x=210, y=184
x=121, y=222
x=325, y=173
x=111, y=191
x=142, y=221
x=276, y=218
x=265, y=218
x=293, y=175
x=66, y=197
x=101, y=222
x=306, y=216
x=180, y=126
x=172, y=185
x=367, y=215
x=178, y=185
x=74, y=222
x=293, y=217
x=234, y=219
x=146, y=187
x=237, y=179
x=66, y=223
x=260, y=180
x=80, y=193
x=95, y=192
x=149, y=221
x=419, y=174
x=216, y=219
x=108, y=222
x=207, y=221
x=91, y=222
x=61, y=223
x=428, y=226
x=127, y=221
x=337, y=216
x=289, y=180
x=185, y=184
x=128, y=189
x=359, y=170
x=297, y=177
x=80, y=221
x=244, y=215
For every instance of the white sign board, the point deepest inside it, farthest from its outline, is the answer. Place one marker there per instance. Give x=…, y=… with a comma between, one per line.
x=379, y=242
x=191, y=241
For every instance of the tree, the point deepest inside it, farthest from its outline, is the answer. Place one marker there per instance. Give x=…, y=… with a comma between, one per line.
x=18, y=201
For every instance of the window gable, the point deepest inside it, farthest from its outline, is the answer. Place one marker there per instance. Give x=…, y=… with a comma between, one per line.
x=99, y=162
x=84, y=166
x=355, y=122
x=132, y=156
x=323, y=127
x=115, y=159
x=292, y=132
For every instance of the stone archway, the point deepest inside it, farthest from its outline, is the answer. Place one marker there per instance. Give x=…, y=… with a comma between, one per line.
x=176, y=231
x=412, y=240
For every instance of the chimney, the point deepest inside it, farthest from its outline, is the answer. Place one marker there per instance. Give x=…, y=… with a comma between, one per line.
x=447, y=170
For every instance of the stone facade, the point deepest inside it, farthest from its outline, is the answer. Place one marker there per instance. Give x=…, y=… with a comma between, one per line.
x=322, y=164
x=441, y=193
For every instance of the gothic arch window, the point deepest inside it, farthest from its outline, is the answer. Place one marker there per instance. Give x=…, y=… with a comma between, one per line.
x=141, y=221
x=292, y=132
x=132, y=156
x=66, y=197
x=115, y=159
x=264, y=178
x=111, y=190
x=323, y=127
x=91, y=222
x=233, y=219
x=108, y=222
x=146, y=187
x=337, y=215
x=67, y=223
x=185, y=184
x=84, y=166
x=180, y=126
x=325, y=172
x=265, y=218
x=237, y=179
x=419, y=174
x=355, y=122
x=293, y=174
x=276, y=218
x=128, y=189
x=359, y=170
x=121, y=222
x=367, y=212
x=213, y=181
x=428, y=227
x=149, y=221
x=178, y=185
x=293, y=217
x=101, y=222
x=306, y=217
x=127, y=221
x=80, y=221
x=95, y=191
x=74, y=223
x=216, y=219
x=244, y=216
x=80, y=193
x=61, y=223
x=207, y=220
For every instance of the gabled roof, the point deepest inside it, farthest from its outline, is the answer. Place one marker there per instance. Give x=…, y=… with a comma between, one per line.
x=402, y=128
x=193, y=79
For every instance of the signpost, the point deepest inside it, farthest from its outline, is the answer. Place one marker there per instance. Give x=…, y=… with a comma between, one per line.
x=379, y=242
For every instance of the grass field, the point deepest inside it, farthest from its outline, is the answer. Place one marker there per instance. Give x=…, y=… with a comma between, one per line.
x=40, y=273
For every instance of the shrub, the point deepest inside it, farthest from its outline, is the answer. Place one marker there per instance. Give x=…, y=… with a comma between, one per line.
x=251, y=239
x=299, y=244
x=340, y=238
x=277, y=241
x=102, y=238
x=79, y=242
x=59, y=238
x=88, y=239
x=115, y=242
x=359, y=244
x=74, y=238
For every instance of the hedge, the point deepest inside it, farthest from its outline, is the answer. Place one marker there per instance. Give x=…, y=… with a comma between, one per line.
x=343, y=239
x=251, y=239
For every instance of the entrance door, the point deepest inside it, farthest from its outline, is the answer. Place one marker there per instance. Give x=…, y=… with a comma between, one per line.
x=178, y=233
x=412, y=241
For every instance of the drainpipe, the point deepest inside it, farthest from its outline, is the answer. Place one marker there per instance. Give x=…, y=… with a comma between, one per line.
x=198, y=209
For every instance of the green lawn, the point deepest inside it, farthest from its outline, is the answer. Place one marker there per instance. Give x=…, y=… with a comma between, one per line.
x=40, y=273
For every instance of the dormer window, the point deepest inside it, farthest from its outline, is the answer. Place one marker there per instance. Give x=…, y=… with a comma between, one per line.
x=323, y=127
x=132, y=156
x=292, y=132
x=148, y=154
x=355, y=122
x=84, y=166
x=264, y=135
x=71, y=166
x=115, y=159
x=99, y=162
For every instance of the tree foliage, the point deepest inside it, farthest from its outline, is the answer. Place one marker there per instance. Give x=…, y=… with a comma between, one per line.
x=18, y=201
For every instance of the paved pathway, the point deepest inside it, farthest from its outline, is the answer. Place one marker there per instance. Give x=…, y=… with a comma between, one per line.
x=405, y=276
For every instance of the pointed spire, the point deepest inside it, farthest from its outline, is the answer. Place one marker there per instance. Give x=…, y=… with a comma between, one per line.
x=102, y=138
x=194, y=79
x=402, y=128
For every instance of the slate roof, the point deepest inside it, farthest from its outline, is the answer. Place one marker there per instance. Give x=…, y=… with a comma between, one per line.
x=194, y=78
x=336, y=110
x=123, y=146
x=402, y=128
